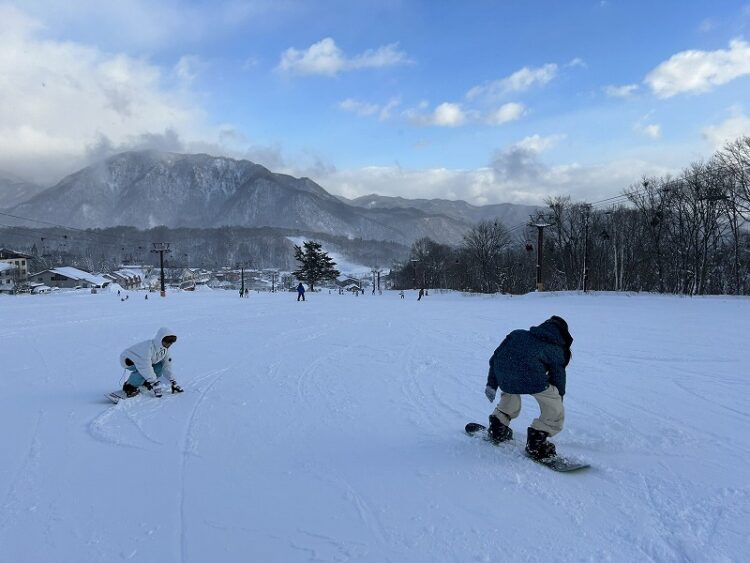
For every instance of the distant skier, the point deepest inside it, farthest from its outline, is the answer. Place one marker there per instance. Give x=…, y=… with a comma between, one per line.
x=148, y=362
x=421, y=294
x=300, y=292
x=531, y=362
x=402, y=294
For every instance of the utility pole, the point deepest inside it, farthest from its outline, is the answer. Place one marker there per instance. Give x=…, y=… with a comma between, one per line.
x=539, y=245
x=242, y=283
x=414, y=263
x=161, y=248
x=273, y=281
x=375, y=280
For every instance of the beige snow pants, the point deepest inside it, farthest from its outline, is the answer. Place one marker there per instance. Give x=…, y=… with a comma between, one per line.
x=550, y=404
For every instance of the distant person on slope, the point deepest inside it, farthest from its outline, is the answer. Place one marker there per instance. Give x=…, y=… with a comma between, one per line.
x=530, y=362
x=148, y=362
x=300, y=292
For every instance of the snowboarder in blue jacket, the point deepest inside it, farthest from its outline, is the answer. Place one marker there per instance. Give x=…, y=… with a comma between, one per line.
x=300, y=292
x=531, y=362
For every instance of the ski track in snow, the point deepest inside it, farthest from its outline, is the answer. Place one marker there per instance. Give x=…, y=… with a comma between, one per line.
x=186, y=449
x=26, y=468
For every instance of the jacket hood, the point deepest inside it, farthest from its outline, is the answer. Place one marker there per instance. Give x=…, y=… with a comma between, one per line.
x=549, y=332
x=161, y=333
x=555, y=331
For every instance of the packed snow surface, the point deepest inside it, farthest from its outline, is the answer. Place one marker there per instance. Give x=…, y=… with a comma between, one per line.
x=332, y=430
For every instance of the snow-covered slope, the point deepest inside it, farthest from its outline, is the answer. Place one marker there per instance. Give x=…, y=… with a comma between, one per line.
x=14, y=190
x=331, y=430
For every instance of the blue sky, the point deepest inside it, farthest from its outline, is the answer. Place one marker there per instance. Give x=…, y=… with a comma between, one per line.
x=483, y=101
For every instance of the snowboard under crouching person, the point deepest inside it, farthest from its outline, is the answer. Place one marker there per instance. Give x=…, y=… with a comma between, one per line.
x=531, y=362
x=148, y=362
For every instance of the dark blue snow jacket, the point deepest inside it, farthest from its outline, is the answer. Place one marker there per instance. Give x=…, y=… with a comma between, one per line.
x=527, y=361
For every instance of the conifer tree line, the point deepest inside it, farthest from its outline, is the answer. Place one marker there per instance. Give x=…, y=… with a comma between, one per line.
x=685, y=234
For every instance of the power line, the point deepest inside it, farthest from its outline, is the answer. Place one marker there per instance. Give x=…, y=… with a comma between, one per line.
x=86, y=232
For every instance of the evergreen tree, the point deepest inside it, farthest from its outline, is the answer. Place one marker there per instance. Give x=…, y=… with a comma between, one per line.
x=315, y=264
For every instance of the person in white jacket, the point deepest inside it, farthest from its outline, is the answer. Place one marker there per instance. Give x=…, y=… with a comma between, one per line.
x=148, y=362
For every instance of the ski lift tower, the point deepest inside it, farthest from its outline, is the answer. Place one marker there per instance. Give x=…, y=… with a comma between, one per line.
x=161, y=248
x=539, y=245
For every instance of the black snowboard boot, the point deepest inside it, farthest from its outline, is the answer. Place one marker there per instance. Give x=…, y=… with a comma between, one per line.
x=537, y=445
x=130, y=390
x=497, y=431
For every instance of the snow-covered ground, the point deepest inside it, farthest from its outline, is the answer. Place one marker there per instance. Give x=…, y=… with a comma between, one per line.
x=332, y=430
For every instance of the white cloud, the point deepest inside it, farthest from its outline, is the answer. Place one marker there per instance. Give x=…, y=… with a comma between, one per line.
x=536, y=143
x=700, y=71
x=576, y=63
x=525, y=78
x=149, y=25
x=358, y=107
x=519, y=81
x=738, y=125
x=446, y=114
x=505, y=113
x=387, y=109
x=366, y=109
x=516, y=174
x=652, y=130
x=531, y=182
x=470, y=185
x=65, y=97
x=624, y=91
x=327, y=59
x=188, y=67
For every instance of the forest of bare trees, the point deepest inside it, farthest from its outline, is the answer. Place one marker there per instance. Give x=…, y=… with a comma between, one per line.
x=684, y=234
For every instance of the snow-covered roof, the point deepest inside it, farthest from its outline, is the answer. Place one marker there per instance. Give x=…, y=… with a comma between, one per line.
x=13, y=254
x=125, y=272
x=76, y=274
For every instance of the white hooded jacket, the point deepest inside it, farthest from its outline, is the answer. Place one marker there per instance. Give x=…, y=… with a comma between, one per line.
x=148, y=353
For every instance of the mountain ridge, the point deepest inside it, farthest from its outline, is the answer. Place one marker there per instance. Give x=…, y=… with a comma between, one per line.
x=145, y=189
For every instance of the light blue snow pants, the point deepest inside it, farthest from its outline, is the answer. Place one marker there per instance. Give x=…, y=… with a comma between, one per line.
x=136, y=379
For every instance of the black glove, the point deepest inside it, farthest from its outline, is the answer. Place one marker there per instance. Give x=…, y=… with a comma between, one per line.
x=154, y=387
x=176, y=388
x=490, y=393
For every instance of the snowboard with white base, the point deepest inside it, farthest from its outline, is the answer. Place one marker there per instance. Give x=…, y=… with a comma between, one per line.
x=117, y=396
x=556, y=463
